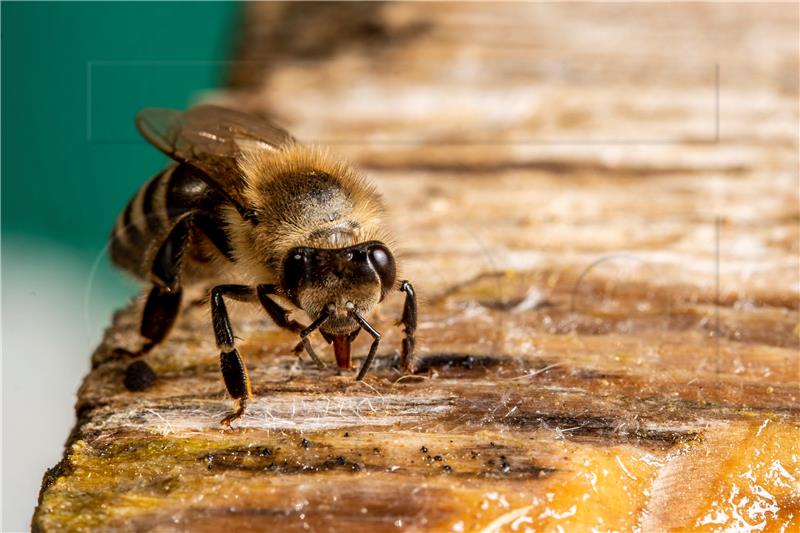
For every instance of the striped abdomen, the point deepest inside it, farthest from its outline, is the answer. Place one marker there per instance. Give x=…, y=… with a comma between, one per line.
x=146, y=222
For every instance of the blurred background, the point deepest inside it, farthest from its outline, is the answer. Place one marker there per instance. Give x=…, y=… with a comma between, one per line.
x=663, y=132
x=74, y=75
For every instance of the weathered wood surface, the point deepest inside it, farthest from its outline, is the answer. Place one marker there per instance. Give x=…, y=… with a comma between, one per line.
x=609, y=280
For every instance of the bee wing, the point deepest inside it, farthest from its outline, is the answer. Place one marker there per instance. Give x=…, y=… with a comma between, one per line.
x=210, y=138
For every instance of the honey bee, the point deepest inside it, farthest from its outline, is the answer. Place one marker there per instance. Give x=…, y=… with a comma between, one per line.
x=247, y=205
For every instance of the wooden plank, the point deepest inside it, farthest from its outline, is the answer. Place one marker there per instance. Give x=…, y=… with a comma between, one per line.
x=598, y=207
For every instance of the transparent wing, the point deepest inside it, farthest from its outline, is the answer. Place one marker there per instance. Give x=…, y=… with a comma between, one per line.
x=209, y=137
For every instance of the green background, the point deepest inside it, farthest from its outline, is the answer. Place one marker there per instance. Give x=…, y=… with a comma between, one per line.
x=74, y=75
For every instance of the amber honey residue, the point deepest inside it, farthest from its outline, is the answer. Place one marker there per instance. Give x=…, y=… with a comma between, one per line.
x=758, y=486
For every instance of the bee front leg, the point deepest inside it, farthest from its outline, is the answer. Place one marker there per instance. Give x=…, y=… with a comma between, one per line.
x=308, y=331
x=280, y=316
x=409, y=322
x=234, y=371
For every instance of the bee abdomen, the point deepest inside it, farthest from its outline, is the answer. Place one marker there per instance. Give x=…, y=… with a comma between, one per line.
x=155, y=209
x=141, y=225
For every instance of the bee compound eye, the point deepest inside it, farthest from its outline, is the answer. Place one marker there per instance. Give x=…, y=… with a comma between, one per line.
x=380, y=257
x=382, y=261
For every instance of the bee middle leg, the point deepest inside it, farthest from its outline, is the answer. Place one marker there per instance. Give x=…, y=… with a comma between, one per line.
x=234, y=371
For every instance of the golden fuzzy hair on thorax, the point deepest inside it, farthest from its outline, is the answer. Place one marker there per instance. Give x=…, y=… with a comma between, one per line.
x=260, y=165
x=302, y=196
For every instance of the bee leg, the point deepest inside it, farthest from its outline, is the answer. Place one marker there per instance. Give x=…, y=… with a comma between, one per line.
x=298, y=349
x=162, y=306
x=280, y=316
x=157, y=318
x=376, y=339
x=234, y=371
x=160, y=311
x=409, y=322
x=308, y=331
x=239, y=407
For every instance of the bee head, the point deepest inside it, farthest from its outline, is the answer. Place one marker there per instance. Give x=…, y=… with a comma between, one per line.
x=356, y=277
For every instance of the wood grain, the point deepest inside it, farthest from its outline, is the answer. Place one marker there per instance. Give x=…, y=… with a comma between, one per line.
x=598, y=204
